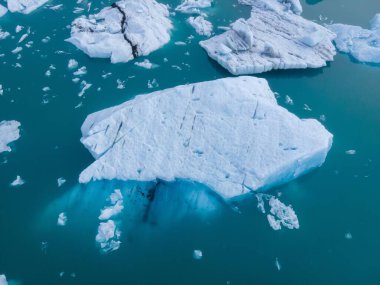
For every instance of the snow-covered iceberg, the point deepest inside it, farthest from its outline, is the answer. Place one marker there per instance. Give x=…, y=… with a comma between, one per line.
x=25, y=6
x=125, y=30
x=9, y=132
x=362, y=44
x=274, y=37
x=228, y=134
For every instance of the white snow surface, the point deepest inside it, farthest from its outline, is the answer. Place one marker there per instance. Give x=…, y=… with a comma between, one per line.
x=272, y=38
x=25, y=6
x=228, y=134
x=193, y=6
x=123, y=31
x=9, y=132
x=362, y=44
x=201, y=25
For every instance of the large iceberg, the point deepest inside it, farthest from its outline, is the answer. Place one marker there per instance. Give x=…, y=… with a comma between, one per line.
x=362, y=44
x=25, y=6
x=9, y=132
x=274, y=37
x=229, y=134
x=123, y=31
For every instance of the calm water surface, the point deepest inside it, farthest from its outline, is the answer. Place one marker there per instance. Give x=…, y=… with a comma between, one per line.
x=238, y=245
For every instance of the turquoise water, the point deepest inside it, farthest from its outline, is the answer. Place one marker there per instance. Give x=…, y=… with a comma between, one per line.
x=238, y=245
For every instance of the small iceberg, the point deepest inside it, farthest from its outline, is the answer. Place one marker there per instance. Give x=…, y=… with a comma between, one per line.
x=9, y=132
x=125, y=30
x=228, y=134
x=361, y=44
x=193, y=6
x=201, y=25
x=274, y=37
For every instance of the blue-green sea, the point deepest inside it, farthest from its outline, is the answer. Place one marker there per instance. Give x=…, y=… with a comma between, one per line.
x=338, y=241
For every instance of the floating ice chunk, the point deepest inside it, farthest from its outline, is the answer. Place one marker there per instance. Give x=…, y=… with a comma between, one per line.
x=1, y=90
x=362, y=44
x=108, y=236
x=24, y=6
x=72, y=64
x=61, y=181
x=120, y=84
x=3, y=280
x=116, y=196
x=201, y=25
x=3, y=34
x=271, y=39
x=17, y=50
x=56, y=7
x=9, y=132
x=84, y=88
x=81, y=71
x=193, y=6
x=145, y=64
x=111, y=211
x=62, y=219
x=197, y=254
x=123, y=31
x=348, y=236
x=19, y=28
x=351, y=152
x=228, y=134
x=282, y=215
x=3, y=11
x=278, y=265
x=17, y=182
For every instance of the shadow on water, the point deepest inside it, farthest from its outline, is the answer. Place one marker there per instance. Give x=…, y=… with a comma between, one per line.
x=313, y=2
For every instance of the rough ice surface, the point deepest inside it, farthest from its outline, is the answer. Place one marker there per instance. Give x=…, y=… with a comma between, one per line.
x=193, y=6
x=228, y=134
x=9, y=132
x=278, y=5
x=25, y=6
x=201, y=25
x=125, y=30
x=3, y=11
x=3, y=280
x=108, y=236
x=362, y=44
x=272, y=38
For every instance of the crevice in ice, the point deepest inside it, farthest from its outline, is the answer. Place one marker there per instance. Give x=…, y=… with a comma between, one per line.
x=123, y=24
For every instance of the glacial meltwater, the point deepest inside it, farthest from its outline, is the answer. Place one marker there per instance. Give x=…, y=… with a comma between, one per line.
x=319, y=228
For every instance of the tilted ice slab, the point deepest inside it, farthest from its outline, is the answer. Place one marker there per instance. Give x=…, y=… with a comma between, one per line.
x=271, y=39
x=227, y=134
x=123, y=31
x=362, y=44
x=24, y=6
x=193, y=6
x=9, y=132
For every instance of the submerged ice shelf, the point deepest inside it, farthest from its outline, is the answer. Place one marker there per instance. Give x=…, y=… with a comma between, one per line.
x=9, y=132
x=274, y=37
x=125, y=30
x=228, y=134
x=362, y=44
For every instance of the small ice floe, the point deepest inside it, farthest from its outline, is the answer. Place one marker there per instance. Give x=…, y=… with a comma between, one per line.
x=281, y=215
x=75, y=80
x=111, y=211
x=46, y=39
x=289, y=100
x=17, y=182
x=19, y=28
x=106, y=75
x=1, y=90
x=201, y=25
x=180, y=43
x=85, y=86
x=81, y=71
x=108, y=236
x=348, y=236
x=152, y=83
x=61, y=181
x=3, y=280
x=350, y=152
x=72, y=64
x=120, y=84
x=145, y=64
x=46, y=89
x=16, y=50
x=278, y=265
x=62, y=219
x=22, y=38
x=362, y=44
x=197, y=254
x=9, y=132
x=116, y=196
x=56, y=7
x=3, y=34
x=48, y=73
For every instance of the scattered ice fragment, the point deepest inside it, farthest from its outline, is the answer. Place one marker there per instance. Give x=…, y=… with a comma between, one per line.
x=120, y=84
x=72, y=64
x=197, y=254
x=48, y=73
x=201, y=25
x=62, y=219
x=348, y=236
x=19, y=28
x=111, y=211
x=275, y=224
x=44, y=246
x=351, y=152
x=81, y=71
x=46, y=39
x=61, y=181
x=61, y=274
x=84, y=88
x=56, y=7
x=152, y=83
x=180, y=43
x=17, y=182
x=108, y=236
x=23, y=37
x=3, y=34
x=145, y=64
x=278, y=265
x=115, y=196
x=46, y=89
x=289, y=100
x=17, y=50
x=9, y=132
x=282, y=215
x=1, y=90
